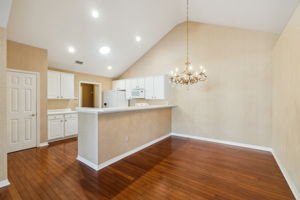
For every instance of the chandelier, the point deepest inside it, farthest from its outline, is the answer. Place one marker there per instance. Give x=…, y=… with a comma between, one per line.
x=188, y=76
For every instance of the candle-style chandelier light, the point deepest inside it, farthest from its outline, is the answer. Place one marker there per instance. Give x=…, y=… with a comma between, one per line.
x=189, y=76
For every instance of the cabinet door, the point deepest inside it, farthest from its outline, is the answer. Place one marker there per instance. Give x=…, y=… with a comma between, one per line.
x=55, y=128
x=159, y=87
x=53, y=85
x=141, y=83
x=67, y=86
x=149, y=92
x=71, y=126
x=119, y=85
x=114, y=85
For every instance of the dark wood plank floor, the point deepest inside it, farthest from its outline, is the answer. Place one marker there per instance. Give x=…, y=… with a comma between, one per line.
x=175, y=168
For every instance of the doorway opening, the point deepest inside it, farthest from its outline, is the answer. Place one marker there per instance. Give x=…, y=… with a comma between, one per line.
x=90, y=94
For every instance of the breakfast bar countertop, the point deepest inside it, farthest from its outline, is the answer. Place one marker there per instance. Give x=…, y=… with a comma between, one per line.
x=122, y=109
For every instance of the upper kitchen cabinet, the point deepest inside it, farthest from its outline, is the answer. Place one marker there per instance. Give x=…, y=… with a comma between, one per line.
x=156, y=87
x=53, y=85
x=67, y=85
x=60, y=85
x=119, y=85
x=135, y=83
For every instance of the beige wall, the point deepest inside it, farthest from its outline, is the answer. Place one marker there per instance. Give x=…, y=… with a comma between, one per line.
x=3, y=143
x=62, y=104
x=24, y=57
x=140, y=127
x=286, y=99
x=235, y=103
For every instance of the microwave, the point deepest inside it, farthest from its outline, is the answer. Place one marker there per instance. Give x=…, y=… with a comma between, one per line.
x=137, y=93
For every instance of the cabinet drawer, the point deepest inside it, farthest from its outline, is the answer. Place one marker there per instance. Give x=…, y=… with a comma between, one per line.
x=71, y=115
x=55, y=117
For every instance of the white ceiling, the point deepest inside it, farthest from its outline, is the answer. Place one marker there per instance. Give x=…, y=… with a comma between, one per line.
x=57, y=24
x=4, y=12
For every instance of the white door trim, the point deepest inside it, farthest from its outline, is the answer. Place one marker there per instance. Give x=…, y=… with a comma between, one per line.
x=38, y=113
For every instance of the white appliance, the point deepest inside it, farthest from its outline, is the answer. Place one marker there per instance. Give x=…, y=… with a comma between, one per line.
x=113, y=98
x=137, y=94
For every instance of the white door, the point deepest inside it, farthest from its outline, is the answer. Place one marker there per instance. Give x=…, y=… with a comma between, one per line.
x=22, y=110
x=56, y=128
x=53, y=85
x=149, y=88
x=67, y=85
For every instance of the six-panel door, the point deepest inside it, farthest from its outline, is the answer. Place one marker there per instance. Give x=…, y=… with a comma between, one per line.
x=22, y=110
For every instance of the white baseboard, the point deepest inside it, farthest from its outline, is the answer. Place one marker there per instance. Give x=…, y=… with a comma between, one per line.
x=4, y=183
x=250, y=146
x=287, y=177
x=88, y=163
x=120, y=157
x=283, y=170
x=44, y=144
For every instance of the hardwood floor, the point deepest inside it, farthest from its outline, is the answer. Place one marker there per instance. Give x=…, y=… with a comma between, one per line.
x=175, y=168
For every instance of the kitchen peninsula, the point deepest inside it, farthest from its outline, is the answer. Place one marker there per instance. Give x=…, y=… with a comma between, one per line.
x=109, y=134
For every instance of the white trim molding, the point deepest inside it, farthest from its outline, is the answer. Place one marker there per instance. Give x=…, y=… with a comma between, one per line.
x=4, y=183
x=120, y=157
x=88, y=163
x=287, y=177
x=250, y=146
x=44, y=144
x=282, y=168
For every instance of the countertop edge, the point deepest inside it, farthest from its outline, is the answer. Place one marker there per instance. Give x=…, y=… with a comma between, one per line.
x=103, y=111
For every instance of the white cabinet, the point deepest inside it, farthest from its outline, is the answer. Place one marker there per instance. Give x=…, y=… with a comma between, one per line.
x=61, y=126
x=67, y=85
x=55, y=127
x=136, y=83
x=53, y=85
x=119, y=85
x=71, y=124
x=155, y=87
x=60, y=85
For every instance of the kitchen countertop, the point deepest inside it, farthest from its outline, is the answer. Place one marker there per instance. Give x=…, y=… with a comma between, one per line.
x=61, y=112
x=122, y=109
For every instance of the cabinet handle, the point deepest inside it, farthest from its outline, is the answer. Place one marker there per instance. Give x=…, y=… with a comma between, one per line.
x=61, y=120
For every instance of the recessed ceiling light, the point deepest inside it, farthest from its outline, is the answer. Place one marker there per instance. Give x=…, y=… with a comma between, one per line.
x=71, y=49
x=109, y=68
x=104, y=50
x=95, y=13
x=138, y=38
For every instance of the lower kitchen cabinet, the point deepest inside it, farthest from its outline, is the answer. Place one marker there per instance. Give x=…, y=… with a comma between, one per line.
x=61, y=126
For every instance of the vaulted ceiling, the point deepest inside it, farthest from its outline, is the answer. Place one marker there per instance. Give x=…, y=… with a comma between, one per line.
x=57, y=25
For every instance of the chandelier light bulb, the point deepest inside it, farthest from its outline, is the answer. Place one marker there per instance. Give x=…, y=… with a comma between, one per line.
x=176, y=70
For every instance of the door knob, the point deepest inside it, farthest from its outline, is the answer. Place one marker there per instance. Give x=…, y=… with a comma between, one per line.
x=33, y=115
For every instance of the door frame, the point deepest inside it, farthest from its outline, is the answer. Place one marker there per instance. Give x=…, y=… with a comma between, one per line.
x=80, y=92
x=38, y=114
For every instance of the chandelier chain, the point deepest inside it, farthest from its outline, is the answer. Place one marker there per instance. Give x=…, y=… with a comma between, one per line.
x=187, y=31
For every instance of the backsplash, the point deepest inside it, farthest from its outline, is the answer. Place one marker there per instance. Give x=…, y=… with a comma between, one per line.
x=62, y=104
